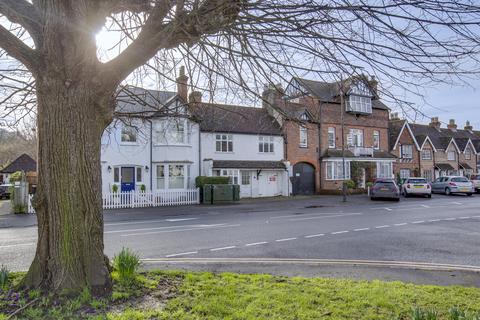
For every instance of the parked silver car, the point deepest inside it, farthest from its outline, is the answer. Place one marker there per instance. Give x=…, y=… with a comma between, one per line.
x=453, y=184
x=475, y=178
x=385, y=189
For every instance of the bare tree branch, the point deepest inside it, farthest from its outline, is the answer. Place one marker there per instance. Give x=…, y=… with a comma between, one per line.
x=18, y=49
x=24, y=14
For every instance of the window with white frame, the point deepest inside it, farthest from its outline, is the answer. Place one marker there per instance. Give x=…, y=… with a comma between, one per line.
x=139, y=174
x=404, y=173
x=384, y=170
x=176, y=176
x=233, y=174
x=171, y=131
x=428, y=174
x=245, y=177
x=331, y=137
x=128, y=134
x=223, y=143
x=303, y=137
x=335, y=170
x=451, y=156
x=265, y=144
x=468, y=154
x=376, y=139
x=161, y=176
x=355, y=138
x=406, y=151
x=116, y=174
x=359, y=98
x=426, y=154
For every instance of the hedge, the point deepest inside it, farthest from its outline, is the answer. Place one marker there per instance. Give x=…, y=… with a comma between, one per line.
x=200, y=181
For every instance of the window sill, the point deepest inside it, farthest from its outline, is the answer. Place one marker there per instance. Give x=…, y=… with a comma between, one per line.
x=129, y=143
x=303, y=147
x=173, y=145
x=224, y=152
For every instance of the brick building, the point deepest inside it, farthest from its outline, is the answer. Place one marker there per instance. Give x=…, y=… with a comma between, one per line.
x=316, y=107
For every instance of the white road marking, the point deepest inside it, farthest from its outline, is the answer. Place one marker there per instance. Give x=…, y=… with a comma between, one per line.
x=18, y=245
x=180, y=230
x=463, y=218
x=255, y=243
x=322, y=214
x=324, y=217
x=450, y=219
x=339, y=232
x=362, y=229
x=425, y=206
x=400, y=224
x=169, y=227
x=286, y=239
x=475, y=216
x=180, y=219
x=388, y=209
x=459, y=203
x=315, y=235
x=181, y=254
x=420, y=221
x=134, y=222
x=381, y=227
x=223, y=248
x=434, y=220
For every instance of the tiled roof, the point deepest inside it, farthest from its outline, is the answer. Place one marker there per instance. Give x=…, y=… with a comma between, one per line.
x=140, y=102
x=444, y=166
x=239, y=164
x=234, y=119
x=394, y=128
x=328, y=91
x=441, y=138
x=465, y=166
x=377, y=154
x=22, y=163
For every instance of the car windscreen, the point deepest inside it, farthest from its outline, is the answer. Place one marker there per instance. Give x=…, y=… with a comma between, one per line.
x=384, y=184
x=459, y=179
x=416, y=181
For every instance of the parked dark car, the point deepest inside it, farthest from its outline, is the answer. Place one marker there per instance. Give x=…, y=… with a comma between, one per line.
x=385, y=189
x=5, y=191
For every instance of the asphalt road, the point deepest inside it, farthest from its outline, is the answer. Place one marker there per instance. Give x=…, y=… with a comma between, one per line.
x=289, y=235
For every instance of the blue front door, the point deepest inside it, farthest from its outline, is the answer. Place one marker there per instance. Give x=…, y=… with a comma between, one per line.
x=128, y=179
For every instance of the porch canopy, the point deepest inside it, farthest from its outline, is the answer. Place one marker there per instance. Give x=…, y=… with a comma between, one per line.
x=465, y=166
x=241, y=164
x=444, y=167
x=377, y=155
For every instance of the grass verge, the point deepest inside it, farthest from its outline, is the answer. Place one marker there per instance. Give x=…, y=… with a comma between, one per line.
x=185, y=295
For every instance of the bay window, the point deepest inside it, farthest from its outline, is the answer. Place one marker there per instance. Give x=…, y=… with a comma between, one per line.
x=160, y=177
x=172, y=176
x=355, y=138
x=176, y=179
x=170, y=131
x=335, y=170
x=384, y=170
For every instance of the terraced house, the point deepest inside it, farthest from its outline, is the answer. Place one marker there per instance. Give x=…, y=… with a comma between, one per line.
x=312, y=111
x=432, y=151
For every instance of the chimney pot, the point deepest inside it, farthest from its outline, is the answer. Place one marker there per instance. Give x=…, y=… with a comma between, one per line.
x=452, y=125
x=182, y=84
x=468, y=126
x=435, y=123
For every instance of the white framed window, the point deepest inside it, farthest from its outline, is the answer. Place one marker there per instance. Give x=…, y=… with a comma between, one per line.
x=451, y=156
x=161, y=177
x=223, y=143
x=265, y=144
x=116, y=174
x=384, y=170
x=468, y=154
x=355, y=138
x=376, y=139
x=171, y=131
x=426, y=154
x=139, y=174
x=331, y=137
x=231, y=173
x=245, y=177
x=303, y=137
x=428, y=174
x=334, y=170
x=404, y=173
x=406, y=151
x=359, y=104
x=176, y=176
x=128, y=134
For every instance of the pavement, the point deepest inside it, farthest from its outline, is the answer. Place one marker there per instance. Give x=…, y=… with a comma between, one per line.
x=428, y=241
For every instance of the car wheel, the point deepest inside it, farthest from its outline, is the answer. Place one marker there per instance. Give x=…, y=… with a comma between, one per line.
x=373, y=198
x=469, y=194
x=448, y=191
x=397, y=199
x=429, y=196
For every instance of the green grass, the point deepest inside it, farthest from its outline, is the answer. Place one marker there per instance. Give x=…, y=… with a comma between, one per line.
x=232, y=296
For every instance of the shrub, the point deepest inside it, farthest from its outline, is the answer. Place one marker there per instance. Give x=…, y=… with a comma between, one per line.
x=200, y=181
x=143, y=188
x=350, y=184
x=16, y=176
x=115, y=188
x=19, y=208
x=126, y=264
x=4, y=277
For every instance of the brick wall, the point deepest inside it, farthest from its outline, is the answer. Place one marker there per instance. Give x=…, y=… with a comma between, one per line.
x=411, y=164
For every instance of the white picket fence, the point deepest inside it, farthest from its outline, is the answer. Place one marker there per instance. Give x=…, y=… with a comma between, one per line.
x=158, y=198
x=139, y=199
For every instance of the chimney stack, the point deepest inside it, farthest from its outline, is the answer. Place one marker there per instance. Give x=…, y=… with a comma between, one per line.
x=452, y=125
x=272, y=94
x=374, y=85
x=468, y=126
x=394, y=116
x=182, y=84
x=195, y=97
x=435, y=123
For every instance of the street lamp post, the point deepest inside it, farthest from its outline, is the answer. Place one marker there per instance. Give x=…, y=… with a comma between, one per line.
x=342, y=114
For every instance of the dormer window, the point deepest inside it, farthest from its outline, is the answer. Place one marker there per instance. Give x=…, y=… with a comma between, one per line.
x=359, y=98
x=468, y=154
x=304, y=117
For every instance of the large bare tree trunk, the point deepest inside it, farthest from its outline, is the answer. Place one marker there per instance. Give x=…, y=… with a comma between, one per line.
x=70, y=246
